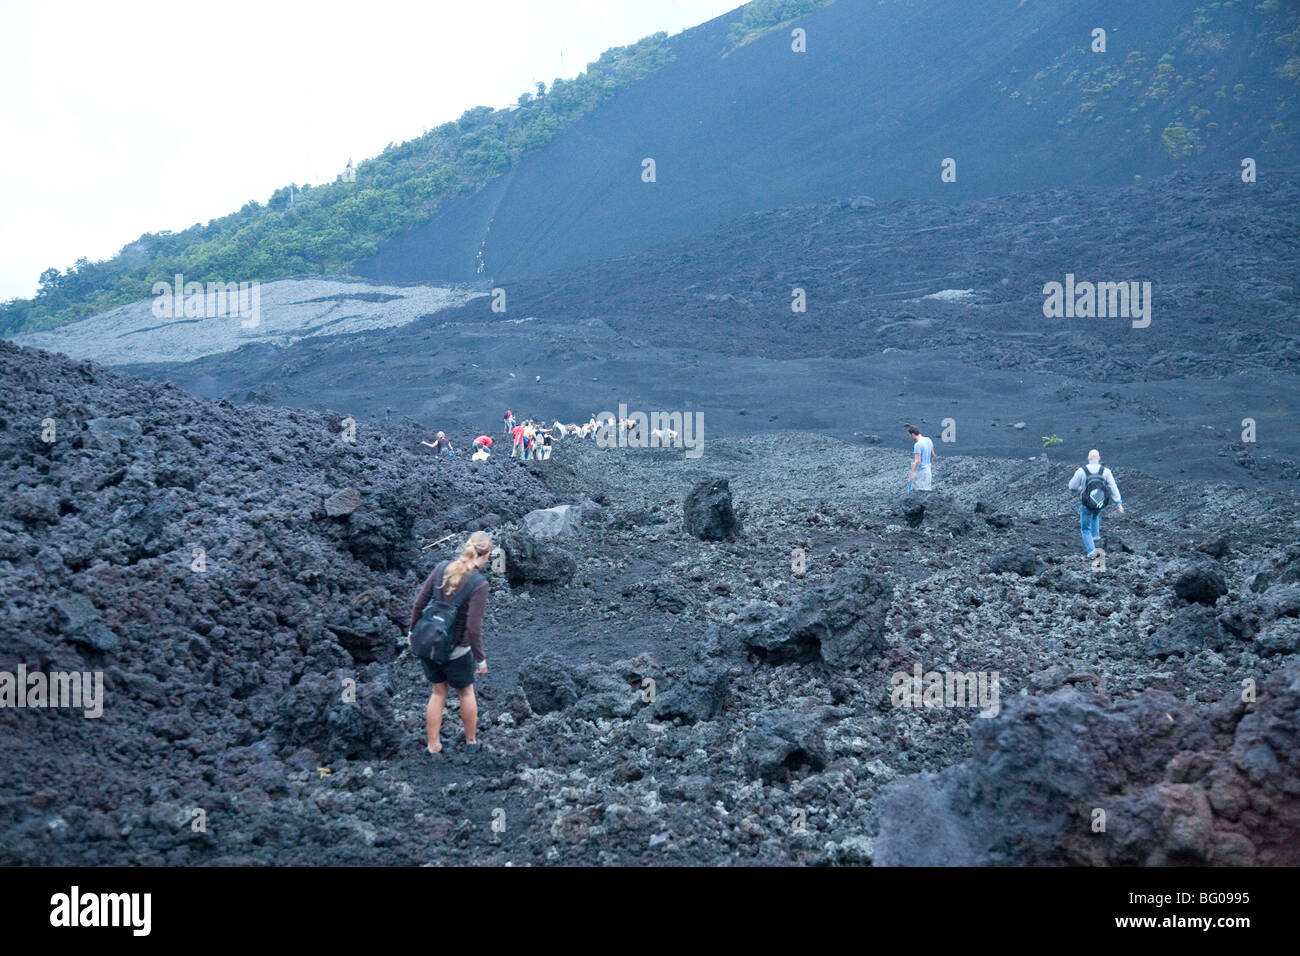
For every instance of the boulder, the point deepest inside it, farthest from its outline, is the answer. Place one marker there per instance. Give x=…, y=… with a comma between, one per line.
x=1194, y=627
x=934, y=511
x=1199, y=580
x=782, y=741
x=841, y=623
x=1277, y=570
x=39, y=505
x=558, y=522
x=1242, y=623
x=155, y=528
x=1172, y=788
x=313, y=713
x=701, y=696
x=1019, y=559
x=1281, y=601
x=547, y=684
x=529, y=561
x=372, y=641
x=1216, y=547
x=708, y=512
x=1279, y=637
x=603, y=692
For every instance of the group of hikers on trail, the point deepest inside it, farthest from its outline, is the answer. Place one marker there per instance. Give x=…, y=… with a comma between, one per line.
x=1093, y=482
x=441, y=447
x=533, y=440
x=529, y=439
x=446, y=632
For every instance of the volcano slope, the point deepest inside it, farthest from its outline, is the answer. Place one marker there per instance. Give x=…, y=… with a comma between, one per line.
x=661, y=698
x=707, y=325
x=887, y=89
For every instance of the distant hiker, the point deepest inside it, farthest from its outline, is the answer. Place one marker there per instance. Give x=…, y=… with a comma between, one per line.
x=529, y=435
x=1096, y=487
x=510, y=421
x=388, y=414
x=920, y=477
x=517, y=438
x=461, y=594
x=440, y=445
x=547, y=438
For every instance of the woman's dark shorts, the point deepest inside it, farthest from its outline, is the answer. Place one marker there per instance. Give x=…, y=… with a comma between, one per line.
x=459, y=672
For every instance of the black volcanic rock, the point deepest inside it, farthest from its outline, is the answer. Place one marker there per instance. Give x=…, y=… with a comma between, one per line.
x=229, y=686
x=342, y=503
x=702, y=696
x=1170, y=784
x=1193, y=627
x=180, y=547
x=784, y=741
x=530, y=561
x=624, y=519
x=1216, y=547
x=668, y=299
x=1278, y=569
x=547, y=684
x=316, y=712
x=1199, y=580
x=708, y=513
x=1018, y=559
x=935, y=511
x=841, y=623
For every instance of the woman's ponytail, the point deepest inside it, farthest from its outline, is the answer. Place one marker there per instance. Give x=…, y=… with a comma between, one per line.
x=459, y=569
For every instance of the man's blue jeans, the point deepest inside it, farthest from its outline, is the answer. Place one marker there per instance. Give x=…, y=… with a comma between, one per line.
x=1090, y=523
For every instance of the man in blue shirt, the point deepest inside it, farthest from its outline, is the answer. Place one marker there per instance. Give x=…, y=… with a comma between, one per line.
x=920, y=478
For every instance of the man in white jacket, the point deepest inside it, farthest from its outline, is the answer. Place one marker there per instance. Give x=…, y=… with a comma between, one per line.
x=1092, y=500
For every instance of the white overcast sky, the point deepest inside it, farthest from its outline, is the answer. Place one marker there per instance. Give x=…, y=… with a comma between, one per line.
x=120, y=118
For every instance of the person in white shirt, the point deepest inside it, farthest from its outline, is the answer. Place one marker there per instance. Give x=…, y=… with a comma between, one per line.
x=1094, y=499
x=920, y=477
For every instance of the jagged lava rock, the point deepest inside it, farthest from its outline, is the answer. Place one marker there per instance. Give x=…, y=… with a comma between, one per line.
x=708, y=513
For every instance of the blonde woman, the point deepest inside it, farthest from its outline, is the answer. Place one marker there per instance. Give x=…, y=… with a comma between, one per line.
x=467, y=658
x=439, y=445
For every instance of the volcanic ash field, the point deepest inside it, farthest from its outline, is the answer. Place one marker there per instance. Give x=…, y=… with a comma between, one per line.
x=652, y=697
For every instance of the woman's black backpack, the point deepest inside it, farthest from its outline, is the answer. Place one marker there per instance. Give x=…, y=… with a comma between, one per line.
x=432, y=635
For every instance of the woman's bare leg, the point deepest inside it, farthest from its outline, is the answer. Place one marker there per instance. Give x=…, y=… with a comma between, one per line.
x=433, y=716
x=469, y=713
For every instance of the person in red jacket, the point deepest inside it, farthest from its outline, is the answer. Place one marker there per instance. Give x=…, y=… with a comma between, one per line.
x=467, y=657
x=482, y=443
x=517, y=449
